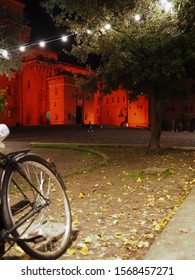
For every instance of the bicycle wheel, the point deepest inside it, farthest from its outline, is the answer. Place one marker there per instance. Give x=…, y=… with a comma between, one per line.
x=38, y=208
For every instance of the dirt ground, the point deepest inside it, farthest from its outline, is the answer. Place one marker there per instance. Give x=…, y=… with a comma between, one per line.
x=120, y=198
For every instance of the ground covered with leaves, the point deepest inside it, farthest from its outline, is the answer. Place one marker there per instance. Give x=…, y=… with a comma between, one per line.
x=120, y=197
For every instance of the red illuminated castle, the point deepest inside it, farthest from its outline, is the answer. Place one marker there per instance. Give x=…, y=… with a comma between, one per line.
x=44, y=92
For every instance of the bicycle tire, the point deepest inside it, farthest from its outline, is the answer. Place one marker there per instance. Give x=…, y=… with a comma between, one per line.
x=49, y=228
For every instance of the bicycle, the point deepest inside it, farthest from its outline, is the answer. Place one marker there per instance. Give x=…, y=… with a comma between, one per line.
x=34, y=208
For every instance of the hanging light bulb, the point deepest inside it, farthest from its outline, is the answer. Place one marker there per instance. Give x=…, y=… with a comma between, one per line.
x=64, y=38
x=163, y=2
x=22, y=48
x=137, y=17
x=4, y=53
x=42, y=44
x=107, y=26
x=166, y=5
x=88, y=31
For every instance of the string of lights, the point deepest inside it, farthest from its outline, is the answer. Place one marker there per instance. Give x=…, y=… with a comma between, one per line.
x=165, y=4
x=5, y=53
x=43, y=43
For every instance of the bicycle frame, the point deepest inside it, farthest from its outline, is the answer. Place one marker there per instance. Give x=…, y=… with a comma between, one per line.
x=7, y=160
x=29, y=187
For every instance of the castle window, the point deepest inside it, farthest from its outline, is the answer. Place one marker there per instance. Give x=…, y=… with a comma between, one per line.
x=170, y=109
x=189, y=109
x=9, y=90
x=9, y=114
x=28, y=84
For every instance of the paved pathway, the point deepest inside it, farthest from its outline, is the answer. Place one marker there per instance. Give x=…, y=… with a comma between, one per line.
x=177, y=240
x=105, y=135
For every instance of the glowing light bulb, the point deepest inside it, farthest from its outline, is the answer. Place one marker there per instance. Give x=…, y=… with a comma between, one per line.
x=107, y=26
x=22, y=48
x=42, y=44
x=163, y=2
x=88, y=31
x=64, y=38
x=137, y=17
x=167, y=6
x=4, y=53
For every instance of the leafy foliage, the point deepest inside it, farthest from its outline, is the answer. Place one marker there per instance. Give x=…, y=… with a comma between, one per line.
x=153, y=55
x=11, y=34
x=147, y=55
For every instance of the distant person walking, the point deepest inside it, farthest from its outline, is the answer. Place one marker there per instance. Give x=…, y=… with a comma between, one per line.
x=90, y=127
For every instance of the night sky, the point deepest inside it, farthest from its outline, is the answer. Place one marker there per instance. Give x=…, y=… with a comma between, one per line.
x=43, y=28
x=40, y=22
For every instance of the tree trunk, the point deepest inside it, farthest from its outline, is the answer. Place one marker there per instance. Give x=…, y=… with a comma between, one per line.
x=155, y=119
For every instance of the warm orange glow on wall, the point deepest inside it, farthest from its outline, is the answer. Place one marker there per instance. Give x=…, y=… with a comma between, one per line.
x=138, y=112
x=44, y=91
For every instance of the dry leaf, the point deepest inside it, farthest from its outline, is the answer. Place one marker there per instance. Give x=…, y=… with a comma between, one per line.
x=142, y=244
x=161, y=199
x=81, y=195
x=70, y=251
x=75, y=221
x=84, y=250
x=118, y=234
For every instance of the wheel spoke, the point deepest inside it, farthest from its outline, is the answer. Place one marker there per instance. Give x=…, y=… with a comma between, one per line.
x=48, y=230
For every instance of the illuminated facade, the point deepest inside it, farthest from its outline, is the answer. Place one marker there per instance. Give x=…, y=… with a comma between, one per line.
x=44, y=92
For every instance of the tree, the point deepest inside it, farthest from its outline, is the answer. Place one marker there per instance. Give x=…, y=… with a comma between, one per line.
x=12, y=33
x=144, y=45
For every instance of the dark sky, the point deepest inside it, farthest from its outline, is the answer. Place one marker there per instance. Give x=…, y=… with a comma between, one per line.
x=39, y=20
x=43, y=28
